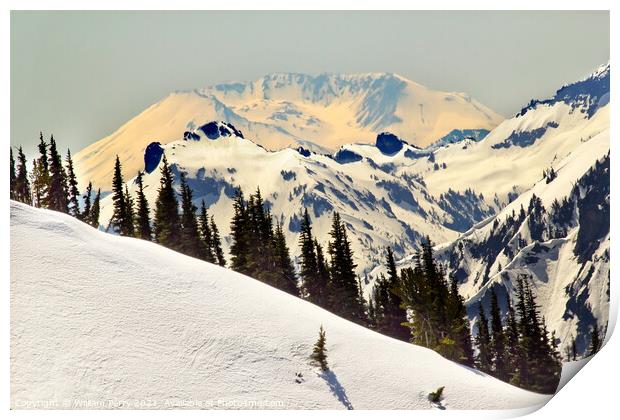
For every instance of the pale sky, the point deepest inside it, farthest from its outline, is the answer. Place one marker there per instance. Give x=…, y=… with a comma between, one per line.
x=81, y=75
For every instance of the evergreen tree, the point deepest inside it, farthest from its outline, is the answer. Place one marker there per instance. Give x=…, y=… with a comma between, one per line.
x=595, y=341
x=539, y=365
x=206, y=234
x=416, y=295
x=434, y=311
x=72, y=188
x=120, y=222
x=167, y=223
x=286, y=277
x=240, y=233
x=344, y=299
x=130, y=217
x=93, y=218
x=217, y=244
x=85, y=215
x=322, y=278
x=13, y=176
x=372, y=314
x=498, y=340
x=261, y=263
x=512, y=341
x=35, y=180
x=43, y=153
x=483, y=342
x=319, y=353
x=311, y=286
x=57, y=194
x=314, y=274
x=143, y=218
x=22, y=184
x=388, y=311
x=41, y=175
x=574, y=349
x=191, y=243
x=459, y=326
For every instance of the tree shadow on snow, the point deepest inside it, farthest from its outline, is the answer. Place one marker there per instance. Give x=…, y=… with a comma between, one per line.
x=336, y=388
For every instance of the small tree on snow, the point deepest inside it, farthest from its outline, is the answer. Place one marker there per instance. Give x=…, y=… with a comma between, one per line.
x=319, y=352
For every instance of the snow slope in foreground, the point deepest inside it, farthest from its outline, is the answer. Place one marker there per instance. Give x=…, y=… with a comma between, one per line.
x=101, y=317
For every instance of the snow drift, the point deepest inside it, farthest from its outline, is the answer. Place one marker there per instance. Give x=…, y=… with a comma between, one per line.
x=112, y=322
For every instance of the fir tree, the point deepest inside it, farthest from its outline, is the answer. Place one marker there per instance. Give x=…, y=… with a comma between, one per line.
x=143, y=218
x=217, y=244
x=595, y=341
x=85, y=215
x=72, y=188
x=287, y=279
x=574, y=349
x=57, y=194
x=130, y=216
x=322, y=278
x=389, y=313
x=344, y=299
x=539, y=364
x=239, y=231
x=512, y=340
x=167, y=223
x=459, y=326
x=93, y=218
x=483, y=342
x=319, y=353
x=312, y=287
x=261, y=262
x=13, y=176
x=313, y=268
x=436, y=311
x=191, y=243
x=43, y=153
x=41, y=175
x=119, y=222
x=498, y=340
x=22, y=184
x=372, y=314
x=206, y=234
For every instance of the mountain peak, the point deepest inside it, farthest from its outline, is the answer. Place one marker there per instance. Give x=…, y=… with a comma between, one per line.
x=284, y=110
x=213, y=130
x=587, y=94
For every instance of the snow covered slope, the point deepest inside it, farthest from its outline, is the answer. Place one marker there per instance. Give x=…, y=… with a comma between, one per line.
x=379, y=208
x=560, y=242
x=281, y=110
x=511, y=158
x=104, y=319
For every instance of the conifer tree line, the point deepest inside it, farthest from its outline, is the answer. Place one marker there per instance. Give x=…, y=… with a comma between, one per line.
x=176, y=224
x=430, y=309
x=422, y=306
x=519, y=350
x=52, y=183
x=259, y=249
x=331, y=284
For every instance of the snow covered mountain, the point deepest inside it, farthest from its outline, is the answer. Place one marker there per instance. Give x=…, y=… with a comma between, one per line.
x=390, y=193
x=102, y=321
x=552, y=161
x=378, y=207
x=283, y=110
x=557, y=236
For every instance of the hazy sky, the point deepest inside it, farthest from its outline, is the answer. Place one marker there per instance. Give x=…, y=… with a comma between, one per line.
x=80, y=75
